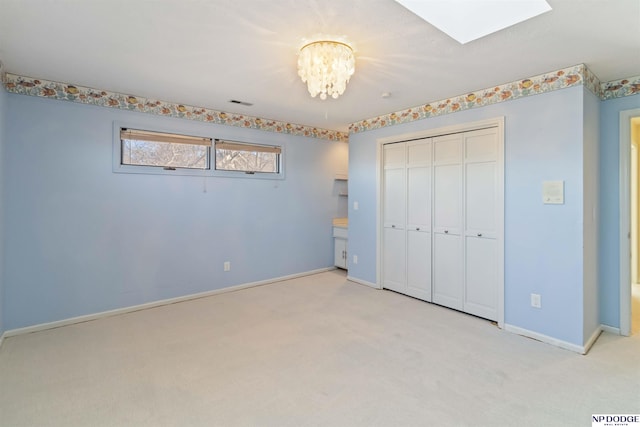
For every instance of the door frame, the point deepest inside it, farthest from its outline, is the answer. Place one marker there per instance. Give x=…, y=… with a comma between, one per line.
x=625, y=219
x=497, y=122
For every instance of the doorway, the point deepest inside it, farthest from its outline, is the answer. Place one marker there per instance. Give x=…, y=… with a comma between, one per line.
x=629, y=222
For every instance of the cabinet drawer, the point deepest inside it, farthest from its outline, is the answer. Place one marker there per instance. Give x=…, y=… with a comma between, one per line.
x=340, y=232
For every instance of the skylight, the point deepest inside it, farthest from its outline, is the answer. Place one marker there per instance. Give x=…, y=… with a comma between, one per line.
x=468, y=20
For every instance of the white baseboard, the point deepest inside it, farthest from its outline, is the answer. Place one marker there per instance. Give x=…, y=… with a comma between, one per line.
x=362, y=282
x=592, y=339
x=130, y=309
x=610, y=329
x=547, y=339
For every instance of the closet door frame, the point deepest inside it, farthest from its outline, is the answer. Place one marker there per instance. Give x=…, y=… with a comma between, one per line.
x=498, y=123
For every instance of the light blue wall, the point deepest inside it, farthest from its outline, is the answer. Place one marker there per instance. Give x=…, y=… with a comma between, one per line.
x=3, y=112
x=591, y=310
x=609, y=248
x=82, y=239
x=543, y=243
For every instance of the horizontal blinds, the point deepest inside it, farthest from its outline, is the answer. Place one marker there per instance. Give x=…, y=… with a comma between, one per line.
x=238, y=146
x=143, y=135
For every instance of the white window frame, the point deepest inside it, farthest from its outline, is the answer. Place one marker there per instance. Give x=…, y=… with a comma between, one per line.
x=118, y=167
x=249, y=147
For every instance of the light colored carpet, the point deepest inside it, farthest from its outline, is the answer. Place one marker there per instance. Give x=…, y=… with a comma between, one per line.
x=315, y=351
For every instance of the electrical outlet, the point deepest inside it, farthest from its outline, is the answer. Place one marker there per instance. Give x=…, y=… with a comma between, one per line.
x=355, y=259
x=356, y=206
x=227, y=266
x=535, y=301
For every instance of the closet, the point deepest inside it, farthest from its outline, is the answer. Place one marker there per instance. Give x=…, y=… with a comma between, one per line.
x=442, y=219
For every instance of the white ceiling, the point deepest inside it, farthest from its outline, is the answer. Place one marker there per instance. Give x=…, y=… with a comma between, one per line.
x=207, y=52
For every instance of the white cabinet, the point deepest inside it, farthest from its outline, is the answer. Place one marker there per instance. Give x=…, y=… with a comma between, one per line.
x=340, y=235
x=340, y=253
x=441, y=219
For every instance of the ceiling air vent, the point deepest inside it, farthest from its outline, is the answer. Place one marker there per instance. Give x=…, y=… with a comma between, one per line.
x=235, y=101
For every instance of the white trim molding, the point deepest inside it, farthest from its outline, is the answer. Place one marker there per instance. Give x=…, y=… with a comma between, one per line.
x=363, y=282
x=130, y=309
x=625, y=219
x=582, y=349
x=610, y=329
x=592, y=339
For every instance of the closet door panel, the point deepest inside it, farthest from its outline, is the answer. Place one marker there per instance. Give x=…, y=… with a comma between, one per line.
x=419, y=264
x=481, y=216
x=447, y=199
x=481, y=292
x=480, y=206
x=394, y=213
x=394, y=198
x=447, y=149
x=419, y=198
x=394, y=156
x=448, y=271
x=419, y=153
x=481, y=145
x=394, y=260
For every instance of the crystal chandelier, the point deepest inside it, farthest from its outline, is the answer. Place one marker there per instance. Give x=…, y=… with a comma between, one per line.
x=326, y=66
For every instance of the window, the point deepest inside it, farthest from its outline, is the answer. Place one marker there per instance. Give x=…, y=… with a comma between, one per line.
x=247, y=158
x=164, y=150
x=176, y=151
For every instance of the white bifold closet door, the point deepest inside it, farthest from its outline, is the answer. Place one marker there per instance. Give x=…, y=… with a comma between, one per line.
x=406, y=240
x=394, y=275
x=440, y=220
x=448, y=266
x=465, y=222
x=419, y=219
x=480, y=231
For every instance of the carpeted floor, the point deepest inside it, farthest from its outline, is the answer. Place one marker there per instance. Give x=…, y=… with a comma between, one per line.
x=314, y=351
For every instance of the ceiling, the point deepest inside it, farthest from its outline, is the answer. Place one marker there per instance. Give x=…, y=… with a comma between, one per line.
x=207, y=52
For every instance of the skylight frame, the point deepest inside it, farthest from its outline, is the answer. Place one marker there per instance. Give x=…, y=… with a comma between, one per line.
x=469, y=20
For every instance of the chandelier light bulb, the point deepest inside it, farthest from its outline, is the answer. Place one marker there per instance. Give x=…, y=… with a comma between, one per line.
x=326, y=67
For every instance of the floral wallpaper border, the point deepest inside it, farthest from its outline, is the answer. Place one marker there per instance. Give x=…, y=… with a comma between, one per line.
x=555, y=80
x=621, y=88
x=85, y=95
x=3, y=73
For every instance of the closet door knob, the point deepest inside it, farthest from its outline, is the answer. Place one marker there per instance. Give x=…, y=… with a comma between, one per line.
x=393, y=226
x=479, y=234
x=446, y=231
x=417, y=228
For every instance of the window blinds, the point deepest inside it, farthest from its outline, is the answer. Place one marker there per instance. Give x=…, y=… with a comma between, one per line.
x=143, y=135
x=239, y=146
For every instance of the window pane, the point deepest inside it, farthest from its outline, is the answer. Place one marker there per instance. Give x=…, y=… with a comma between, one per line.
x=247, y=161
x=164, y=154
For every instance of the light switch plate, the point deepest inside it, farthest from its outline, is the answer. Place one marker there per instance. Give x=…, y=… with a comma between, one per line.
x=536, y=301
x=553, y=192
